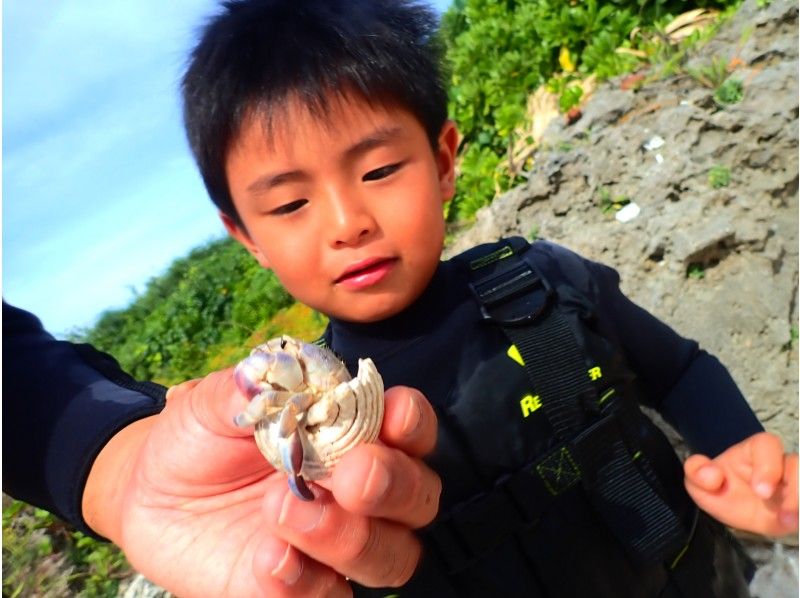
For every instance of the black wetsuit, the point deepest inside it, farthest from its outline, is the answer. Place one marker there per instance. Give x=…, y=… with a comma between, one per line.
x=443, y=347
x=61, y=403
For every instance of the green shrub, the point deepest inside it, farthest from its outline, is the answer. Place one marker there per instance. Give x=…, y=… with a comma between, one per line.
x=42, y=556
x=216, y=295
x=500, y=51
x=729, y=92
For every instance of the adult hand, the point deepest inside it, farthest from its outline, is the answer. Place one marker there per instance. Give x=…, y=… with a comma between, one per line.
x=751, y=486
x=198, y=510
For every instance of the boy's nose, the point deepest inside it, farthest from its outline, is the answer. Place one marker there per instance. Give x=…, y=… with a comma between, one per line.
x=351, y=222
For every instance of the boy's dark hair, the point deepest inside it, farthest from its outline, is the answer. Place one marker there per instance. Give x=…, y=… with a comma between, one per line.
x=256, y=54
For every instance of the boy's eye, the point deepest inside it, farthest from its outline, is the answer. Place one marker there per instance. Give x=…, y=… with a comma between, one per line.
x=380, y=173
x=288, y=208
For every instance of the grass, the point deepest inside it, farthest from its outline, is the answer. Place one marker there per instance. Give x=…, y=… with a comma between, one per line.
x=609, y=204
x=44, y=557
x=696, y=272
x=719, y=176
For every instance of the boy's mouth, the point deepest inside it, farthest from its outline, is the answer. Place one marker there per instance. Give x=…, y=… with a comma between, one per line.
x=365, y=273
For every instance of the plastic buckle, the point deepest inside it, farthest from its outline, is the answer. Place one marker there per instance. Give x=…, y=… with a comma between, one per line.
x=512, y=297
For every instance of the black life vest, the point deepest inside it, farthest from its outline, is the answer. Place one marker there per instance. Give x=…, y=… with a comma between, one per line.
x=555, y=483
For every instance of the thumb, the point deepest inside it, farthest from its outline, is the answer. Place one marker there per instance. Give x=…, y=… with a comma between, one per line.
x=703, y=473
x=214, y=401
x=182, y=388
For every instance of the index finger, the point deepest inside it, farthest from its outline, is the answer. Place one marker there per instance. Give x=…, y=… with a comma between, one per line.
x=766, y=454
x=409, y=421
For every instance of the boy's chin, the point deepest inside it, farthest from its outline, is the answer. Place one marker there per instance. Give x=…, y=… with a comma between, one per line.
x=369, y=314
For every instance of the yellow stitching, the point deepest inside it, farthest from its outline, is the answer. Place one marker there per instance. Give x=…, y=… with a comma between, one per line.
x=558, y=470
x=679, y=557
x=495, y=256
x=606, y=396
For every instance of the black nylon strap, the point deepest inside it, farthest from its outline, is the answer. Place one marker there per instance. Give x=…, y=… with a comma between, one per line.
x=555, y=364
x=637, y=515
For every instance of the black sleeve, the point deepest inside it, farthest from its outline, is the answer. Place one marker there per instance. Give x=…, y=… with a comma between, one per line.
x=61, y=403
x=689, y=387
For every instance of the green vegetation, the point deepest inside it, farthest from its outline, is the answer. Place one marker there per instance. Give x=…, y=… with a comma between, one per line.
x=610, y=204
x=729, y=92
x=712, y=74
x=696, y=272
x=216, y=297
x=44, y=557
x=719, y=176
x=794, y=333
x=500, y=52
x=717, y=76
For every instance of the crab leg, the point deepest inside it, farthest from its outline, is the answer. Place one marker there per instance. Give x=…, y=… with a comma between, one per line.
x=262, y=404
x=254, y=373
x=290, y=444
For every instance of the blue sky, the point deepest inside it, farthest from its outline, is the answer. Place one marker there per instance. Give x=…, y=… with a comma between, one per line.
x=99, y=189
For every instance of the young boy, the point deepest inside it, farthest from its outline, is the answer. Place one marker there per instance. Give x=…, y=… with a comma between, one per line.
x=321, y=132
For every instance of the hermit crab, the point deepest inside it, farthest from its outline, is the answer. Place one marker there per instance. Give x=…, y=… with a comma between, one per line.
x=307, y=410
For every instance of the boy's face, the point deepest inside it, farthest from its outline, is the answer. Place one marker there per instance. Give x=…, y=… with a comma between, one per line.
x=346, y=209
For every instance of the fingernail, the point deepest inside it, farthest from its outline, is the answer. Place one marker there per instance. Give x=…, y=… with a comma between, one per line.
x=170, y=391
x=377, y=482
x=288, y=568
x=298, y=515
x=788, y=519
x=764, y=490
x=413, y=417
x=706, y=471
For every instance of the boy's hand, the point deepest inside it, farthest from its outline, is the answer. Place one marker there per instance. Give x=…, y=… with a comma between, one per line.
x=361, y=526
x=198, y=510
x=751, y=486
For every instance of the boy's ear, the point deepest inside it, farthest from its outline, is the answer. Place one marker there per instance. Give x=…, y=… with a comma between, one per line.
x=242, y=236
x=446, y=160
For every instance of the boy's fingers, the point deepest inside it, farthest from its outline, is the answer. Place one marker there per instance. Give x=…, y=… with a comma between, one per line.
x=703, y=473
x=790, y=502
x=282, y=570
x=766, y=455
x=409, y=421
x=379, y=481
x=371, y=551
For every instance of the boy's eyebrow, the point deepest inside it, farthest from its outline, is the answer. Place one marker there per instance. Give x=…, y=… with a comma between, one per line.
x=378, y=137
x=269, y=181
